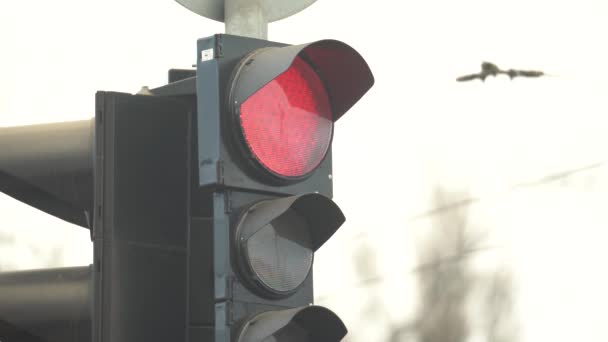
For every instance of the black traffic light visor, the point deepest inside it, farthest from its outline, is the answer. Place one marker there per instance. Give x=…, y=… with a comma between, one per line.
x=50, y=167
x=345, y=73
x=323, y=216
x=315, y=323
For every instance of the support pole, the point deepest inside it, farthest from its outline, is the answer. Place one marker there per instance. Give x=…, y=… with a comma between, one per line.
x=245, y=18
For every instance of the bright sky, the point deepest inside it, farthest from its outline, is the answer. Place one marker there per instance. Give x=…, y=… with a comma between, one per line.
x=416, y=127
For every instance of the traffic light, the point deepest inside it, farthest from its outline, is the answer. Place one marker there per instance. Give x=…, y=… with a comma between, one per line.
x=268, y=168
x=206, y=198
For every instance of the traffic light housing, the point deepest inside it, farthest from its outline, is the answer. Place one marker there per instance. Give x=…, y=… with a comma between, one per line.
x=231, y=69
x=269, y=169
x=206, y=197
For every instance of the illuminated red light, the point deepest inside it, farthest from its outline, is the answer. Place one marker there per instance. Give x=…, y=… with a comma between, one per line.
x=287, y=124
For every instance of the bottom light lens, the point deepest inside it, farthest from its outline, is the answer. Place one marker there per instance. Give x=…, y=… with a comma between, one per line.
x=309, y=323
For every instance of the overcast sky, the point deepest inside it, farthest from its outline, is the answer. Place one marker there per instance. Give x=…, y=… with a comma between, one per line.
x=415, y=128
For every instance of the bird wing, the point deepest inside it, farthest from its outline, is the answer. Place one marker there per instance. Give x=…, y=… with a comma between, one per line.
x=470, y=77
x=531, y=73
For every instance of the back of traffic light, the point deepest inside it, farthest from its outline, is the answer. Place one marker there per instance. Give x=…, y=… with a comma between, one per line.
x=210, y=196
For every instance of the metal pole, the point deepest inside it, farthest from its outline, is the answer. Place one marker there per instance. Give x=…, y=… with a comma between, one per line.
x=245, y=18
x=52, y=305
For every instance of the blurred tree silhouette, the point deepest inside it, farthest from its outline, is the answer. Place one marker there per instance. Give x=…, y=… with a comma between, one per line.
x=498, y=308
x=447, y=285
x=443, y=276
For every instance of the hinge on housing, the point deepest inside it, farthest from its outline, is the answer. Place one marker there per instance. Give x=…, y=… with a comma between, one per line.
x=229, y=313
x=220, y=171
x=229, y=287
x=226, y=311
x=227, y=201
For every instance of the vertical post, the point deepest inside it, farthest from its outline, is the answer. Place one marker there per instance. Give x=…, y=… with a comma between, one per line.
x=245, y=18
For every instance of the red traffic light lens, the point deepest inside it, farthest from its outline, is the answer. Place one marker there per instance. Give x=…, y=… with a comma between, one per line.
x=287, y=124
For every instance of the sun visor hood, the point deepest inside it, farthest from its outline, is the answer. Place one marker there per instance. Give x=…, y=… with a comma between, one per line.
x=344, y=72
x=309, y=323
x=323, y=215
x=50, y=167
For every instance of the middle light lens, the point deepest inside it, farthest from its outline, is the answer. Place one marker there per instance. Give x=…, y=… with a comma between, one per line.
x=280, y=254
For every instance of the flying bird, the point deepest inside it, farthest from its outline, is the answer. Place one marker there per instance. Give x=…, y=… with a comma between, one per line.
x=490, y=69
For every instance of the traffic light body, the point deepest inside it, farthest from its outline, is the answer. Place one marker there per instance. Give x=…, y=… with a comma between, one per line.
x=206, y=198
x=233, y=184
